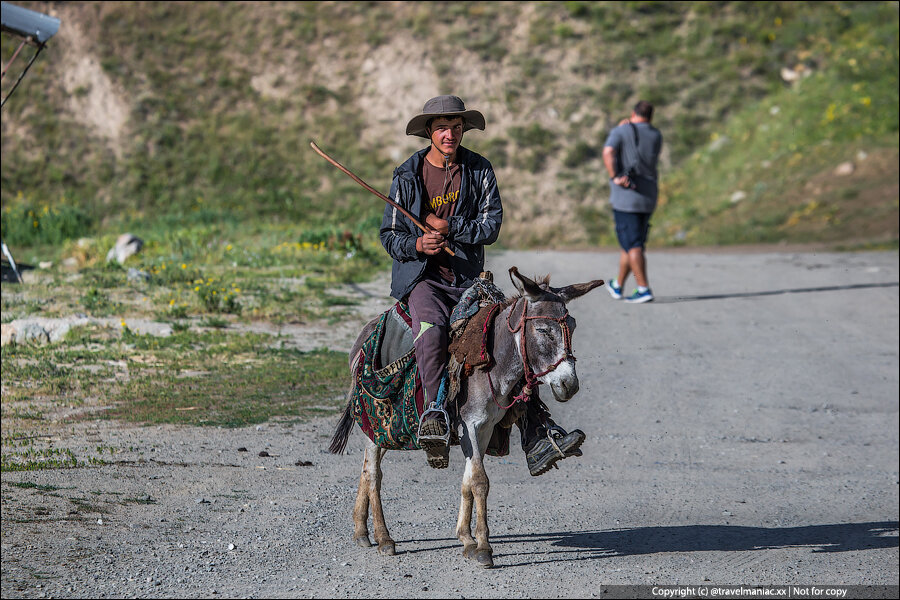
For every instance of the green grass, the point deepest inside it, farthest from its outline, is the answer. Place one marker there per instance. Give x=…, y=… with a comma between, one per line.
x=779, y=152
x=207, y=161
x=283, y=384
x=242, y=223
x=38, y=459
x=201, y=378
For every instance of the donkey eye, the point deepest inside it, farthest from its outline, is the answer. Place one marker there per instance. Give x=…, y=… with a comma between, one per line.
x=543, y=330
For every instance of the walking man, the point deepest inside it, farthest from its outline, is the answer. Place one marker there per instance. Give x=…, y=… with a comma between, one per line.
x=630, y=154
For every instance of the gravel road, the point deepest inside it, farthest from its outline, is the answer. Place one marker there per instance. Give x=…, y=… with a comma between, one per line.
x=741, y=429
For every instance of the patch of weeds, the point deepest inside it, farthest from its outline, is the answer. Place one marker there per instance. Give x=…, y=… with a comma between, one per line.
x=579, y=154
x=32, y=371
x=38, y=459
x=25, y=414
x=536, y=144
x=109, y=275
x=332, y=300
x=26, y=223
x=35, y=486
x=176, y=311
x=83, y=505
x=279, y=383
x=97, y=302
x=218, y=298
x=215, y=323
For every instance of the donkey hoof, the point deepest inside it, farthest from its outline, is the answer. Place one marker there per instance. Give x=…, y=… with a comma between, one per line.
x=386, y=548
x=363, y=541
x=485, y=558
x=469, y=550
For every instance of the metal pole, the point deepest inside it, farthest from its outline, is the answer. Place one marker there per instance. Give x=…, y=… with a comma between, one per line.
x=12, y=263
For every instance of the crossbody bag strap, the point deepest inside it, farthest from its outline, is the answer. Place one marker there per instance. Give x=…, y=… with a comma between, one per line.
x=637, y=142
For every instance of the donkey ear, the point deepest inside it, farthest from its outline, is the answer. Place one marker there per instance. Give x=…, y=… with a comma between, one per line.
x=525, y=286
x=570, y=292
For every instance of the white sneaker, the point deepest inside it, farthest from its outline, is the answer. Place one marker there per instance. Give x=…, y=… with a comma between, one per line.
x=640, y=297
x=614, y=289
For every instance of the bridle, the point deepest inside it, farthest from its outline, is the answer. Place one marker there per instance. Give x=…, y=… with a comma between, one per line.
x=532, y=378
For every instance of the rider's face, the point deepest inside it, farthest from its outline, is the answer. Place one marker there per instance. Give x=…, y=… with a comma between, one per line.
x=447, y=134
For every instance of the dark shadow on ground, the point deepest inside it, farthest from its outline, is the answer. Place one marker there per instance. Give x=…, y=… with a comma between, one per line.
x=588, y=545
x=843, y=537
x=829, y=288
x=7, y=273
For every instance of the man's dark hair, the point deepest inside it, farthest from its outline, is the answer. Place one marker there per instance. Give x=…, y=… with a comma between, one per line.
x=644, y=110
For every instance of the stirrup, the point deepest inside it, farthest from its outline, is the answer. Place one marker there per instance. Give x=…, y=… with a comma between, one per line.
x=553, y=436
x=556, y=432
x=429, y=435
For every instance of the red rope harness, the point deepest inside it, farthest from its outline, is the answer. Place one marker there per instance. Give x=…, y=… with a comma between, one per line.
x=531, y=378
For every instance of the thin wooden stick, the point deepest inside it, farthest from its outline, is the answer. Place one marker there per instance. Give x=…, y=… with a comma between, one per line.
x=374, y=191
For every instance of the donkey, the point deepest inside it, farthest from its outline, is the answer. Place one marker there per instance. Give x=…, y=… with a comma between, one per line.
x=532, y=344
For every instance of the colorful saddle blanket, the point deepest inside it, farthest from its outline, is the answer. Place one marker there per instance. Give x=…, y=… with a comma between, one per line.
x=388, y=401
x=388, y=398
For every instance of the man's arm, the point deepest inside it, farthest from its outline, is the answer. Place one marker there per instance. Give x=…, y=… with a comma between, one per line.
x=397, y=233
x=485, y=227
x=609, y=160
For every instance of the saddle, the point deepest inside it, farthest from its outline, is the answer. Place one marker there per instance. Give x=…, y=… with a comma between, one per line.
x=388, y=399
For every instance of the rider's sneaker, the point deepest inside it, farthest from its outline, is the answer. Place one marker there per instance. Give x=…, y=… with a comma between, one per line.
x=544, y=454
x=433, y=434
x=640, y=297
x=614, y=289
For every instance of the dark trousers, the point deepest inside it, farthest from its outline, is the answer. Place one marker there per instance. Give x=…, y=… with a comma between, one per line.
x=534, y=423
x=430, y=305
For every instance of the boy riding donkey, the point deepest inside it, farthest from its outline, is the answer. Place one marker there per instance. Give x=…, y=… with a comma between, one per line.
x=454, y=192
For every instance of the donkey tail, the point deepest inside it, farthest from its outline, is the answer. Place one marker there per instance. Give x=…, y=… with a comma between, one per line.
x=345, y=425
x=342, y=432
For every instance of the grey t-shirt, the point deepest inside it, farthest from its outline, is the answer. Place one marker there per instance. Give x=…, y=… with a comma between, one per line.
x=622, y=139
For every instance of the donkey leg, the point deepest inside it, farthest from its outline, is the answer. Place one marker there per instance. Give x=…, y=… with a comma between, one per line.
x=484, y=554
x=382, y=536
x=361, y=508
x=464, y=521
x=475, y=489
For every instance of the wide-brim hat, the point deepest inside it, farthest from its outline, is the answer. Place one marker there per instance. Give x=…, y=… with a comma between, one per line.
x=444, y=106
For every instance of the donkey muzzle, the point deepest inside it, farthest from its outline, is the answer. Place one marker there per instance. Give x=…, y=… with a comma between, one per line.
x=563, y=381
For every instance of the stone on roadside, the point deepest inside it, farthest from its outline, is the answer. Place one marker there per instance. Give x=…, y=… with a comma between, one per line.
x=7, y=334
x=138, y=276
x=844, y=169
x=126, y=245
x=32, y=333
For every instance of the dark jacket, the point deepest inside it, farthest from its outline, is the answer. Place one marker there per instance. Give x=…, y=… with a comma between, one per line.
x=475, y=223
